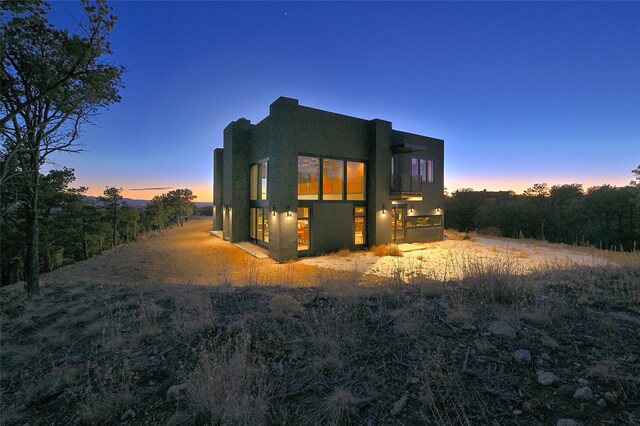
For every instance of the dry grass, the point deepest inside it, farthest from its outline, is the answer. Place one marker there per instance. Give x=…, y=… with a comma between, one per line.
x=386, y=250
x=345, y=349
x=229, y=384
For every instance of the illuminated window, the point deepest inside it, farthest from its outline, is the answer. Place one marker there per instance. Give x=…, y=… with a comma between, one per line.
x=254, y=182
x=332, y=179
x=308, y=177
x=252, y=223
x=424, y=221
x=360, y=226
x=394, y=165
x=259, y=177
x=355, y=180
x=259, y=224
x=263, y=174
x=415, y=169
x=303, y=228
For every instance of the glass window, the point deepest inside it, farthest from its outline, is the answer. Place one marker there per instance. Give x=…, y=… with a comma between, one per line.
x=265, y=225
x=415, y=170
x=308, y=177
x=424, y=221
x=423, y=170
x=355, y=180
x=360, y=226
x=303, y=228
x=332, y=179
x=430, y=171
x=252, y=223
x=263, y=170
x=260, y=227
x=394, y=162
x=254, y=182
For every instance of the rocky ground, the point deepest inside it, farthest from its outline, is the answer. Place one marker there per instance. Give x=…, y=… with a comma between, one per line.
x=559, y=346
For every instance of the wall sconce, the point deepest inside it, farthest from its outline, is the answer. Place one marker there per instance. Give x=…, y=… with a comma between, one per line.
x=288, y=212
x=410, y=208
x=383, y=210
x=273, y=211
x=224, y=207
x=438, y=208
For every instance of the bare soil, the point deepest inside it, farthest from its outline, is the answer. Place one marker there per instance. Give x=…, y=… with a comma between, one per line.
x=181, y=255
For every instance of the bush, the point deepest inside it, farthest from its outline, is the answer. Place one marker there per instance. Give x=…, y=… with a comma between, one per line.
x=386, y=250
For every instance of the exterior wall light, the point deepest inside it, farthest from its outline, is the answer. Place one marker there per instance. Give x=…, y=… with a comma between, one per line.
x=273, y=211
x=410, y=208
x=383, y=210
x=288, y=212
x=438, y=208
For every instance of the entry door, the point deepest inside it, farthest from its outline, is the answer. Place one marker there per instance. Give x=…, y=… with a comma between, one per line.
x=397, y=223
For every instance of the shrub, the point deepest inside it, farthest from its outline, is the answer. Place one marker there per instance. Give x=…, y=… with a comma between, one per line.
x=386, y=250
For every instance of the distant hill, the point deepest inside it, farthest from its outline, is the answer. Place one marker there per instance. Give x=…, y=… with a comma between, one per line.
x=141, y=203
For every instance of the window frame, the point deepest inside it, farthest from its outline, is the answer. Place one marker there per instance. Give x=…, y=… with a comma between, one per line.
x=345, y=177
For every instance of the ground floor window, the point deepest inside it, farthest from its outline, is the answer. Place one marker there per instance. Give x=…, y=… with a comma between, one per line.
x=259, y=224
x=360, y=225
x=303, y=228
x=424, y=221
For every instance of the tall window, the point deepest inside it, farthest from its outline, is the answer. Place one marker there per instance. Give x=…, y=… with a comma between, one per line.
x=422, y=170
x=360, y=226
x=332, y=179
x=303, y=228
x=263, y=174
x=259, y=224
x=259, y=177
x=394, y=165
x=355, y=180
x=308, y=178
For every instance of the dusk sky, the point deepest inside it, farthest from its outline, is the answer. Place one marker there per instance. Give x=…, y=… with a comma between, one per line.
x=522, y=93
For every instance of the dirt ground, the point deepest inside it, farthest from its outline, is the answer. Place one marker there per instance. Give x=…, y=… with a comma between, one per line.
x=188, y=255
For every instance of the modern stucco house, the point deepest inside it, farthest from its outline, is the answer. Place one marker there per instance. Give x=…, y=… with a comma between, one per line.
x=304, y=181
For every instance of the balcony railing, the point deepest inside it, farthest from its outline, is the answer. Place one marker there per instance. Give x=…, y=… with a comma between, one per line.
x=404, y=187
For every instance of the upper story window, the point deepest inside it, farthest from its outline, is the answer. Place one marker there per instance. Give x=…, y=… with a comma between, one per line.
x=422, y=170
x=308, y=178
x=332, y=179
x=355, y=180
x=259, y=178
x=340, y=179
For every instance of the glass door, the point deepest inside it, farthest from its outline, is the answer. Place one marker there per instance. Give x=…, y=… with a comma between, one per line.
x=397, y=223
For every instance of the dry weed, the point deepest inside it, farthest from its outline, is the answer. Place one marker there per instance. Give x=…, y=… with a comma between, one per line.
x=381, y=250
x=229, y=385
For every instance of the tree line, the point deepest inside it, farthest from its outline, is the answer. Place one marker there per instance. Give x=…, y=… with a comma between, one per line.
x=606, y=216
x=75, y=227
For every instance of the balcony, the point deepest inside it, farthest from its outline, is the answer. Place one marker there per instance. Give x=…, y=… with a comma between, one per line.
x=403, y=187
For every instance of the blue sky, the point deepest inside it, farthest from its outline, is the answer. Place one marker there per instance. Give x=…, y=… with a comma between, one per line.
x=521, y=93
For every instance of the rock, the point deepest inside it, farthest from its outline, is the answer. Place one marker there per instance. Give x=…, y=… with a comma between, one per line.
x=583, y=382
x=549, y=342
x=567, y=422
x=602, y=403
x=468, y=326
x=399, y=404
x=522, y=355
x=175, y=392
x=545, y=357
x=414, y=381
x=443, y=304
x=49, y=389
x=546, y=378
x=611, y=397
x=128, y=414
x=517, y=412
x=501, y=328
x=583, y=393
